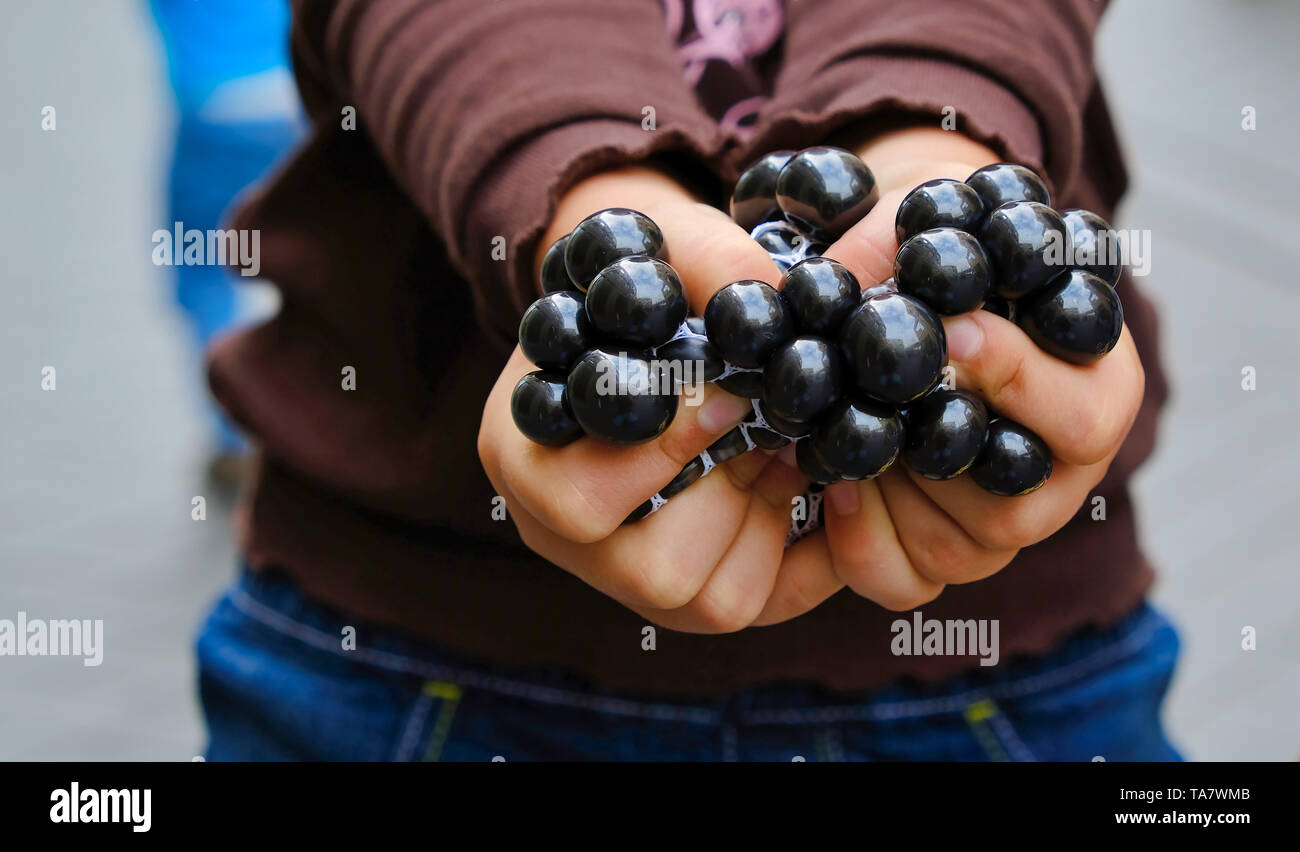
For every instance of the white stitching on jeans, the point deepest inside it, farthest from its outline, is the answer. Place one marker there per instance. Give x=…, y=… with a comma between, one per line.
x=1058, y=677
x=1011, y=740
x=410, y=737
x=433, y=671
x=1077, y=670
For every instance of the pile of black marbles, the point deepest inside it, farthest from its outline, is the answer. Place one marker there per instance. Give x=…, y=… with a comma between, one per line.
x=852, y=376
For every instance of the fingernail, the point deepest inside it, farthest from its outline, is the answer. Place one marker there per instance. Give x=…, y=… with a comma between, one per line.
x=722, y=411
x=843, y=497
x=965, y=337
x=786, y=455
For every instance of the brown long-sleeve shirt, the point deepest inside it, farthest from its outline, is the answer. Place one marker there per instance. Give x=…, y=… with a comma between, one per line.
x=472, y=119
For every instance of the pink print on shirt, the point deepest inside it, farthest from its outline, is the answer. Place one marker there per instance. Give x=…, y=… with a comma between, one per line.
x=719, y=43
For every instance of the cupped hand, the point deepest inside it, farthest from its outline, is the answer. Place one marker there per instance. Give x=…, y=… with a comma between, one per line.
x=900, y=539
x=708, y=560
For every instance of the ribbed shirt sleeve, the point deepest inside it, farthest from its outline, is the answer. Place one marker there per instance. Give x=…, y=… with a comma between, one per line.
x=1017, y=76
x=486, y=111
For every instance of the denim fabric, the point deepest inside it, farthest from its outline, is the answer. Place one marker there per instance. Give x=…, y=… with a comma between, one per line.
x=278, y=684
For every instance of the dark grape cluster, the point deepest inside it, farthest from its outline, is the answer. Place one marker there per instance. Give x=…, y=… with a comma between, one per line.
x=851, y=376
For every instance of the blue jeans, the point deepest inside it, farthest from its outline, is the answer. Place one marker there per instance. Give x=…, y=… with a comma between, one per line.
x=277, y=684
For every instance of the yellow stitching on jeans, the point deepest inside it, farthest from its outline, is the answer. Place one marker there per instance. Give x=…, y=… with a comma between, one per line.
x=977, y=716
x=439, y=689
x=450, y=694
x=980, y=710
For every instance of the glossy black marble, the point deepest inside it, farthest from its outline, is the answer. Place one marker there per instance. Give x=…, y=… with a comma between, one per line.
x=748, y=384
x=638, y=301
x=1002, y=183
x=824, y=191
x=555, y=332
x=802, y=378
x=728, y=446
x=767, y=439
x=619, y=397
x=1015, y=461
x=554, y=274
x=1094, y=244
x=858, y=439
x=940, y=203
x=639, y=512
x=787, y=428
x=696, y=324
x=753, y=201
x=604, y=237
x=945, y=433
x=706, y=362
x=1027, y=245
x=1004, y=308
x=944, y=267
x=1077, y=317
x=895, y=347
x=810, y=466
x=692, y=471
x=747, y=320
x=821, y=293
x=540, y=410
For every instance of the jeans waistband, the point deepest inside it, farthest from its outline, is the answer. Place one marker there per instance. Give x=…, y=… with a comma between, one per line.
x=276, y=604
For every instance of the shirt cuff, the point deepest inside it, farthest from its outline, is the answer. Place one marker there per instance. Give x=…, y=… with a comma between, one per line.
x=859, y=88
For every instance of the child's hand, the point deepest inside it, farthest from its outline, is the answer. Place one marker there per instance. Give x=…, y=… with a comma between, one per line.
x=706, y=561
x=900, y=538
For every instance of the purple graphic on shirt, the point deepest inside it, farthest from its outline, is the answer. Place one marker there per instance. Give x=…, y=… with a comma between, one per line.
x=725, y=37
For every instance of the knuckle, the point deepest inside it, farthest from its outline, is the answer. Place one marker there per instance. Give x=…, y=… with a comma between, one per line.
x=682, y=442
x=720, y=613
x=1011, y=528
x=1006, y=387
x=942, y=558
x=1094, y=431
x=655, y=583
x=797, y=597
x=855, y=570
x=909, y=599
x=566, y=508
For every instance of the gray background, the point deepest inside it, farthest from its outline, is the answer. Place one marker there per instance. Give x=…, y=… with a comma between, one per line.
x=96, y=478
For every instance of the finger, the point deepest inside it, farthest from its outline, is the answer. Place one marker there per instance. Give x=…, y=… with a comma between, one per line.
x=739, y=587
x=1083, y=413
x=1003, y=523
x=585, y=490
x=805, y=580
x=659, y=563
x=936, y=545
x=709, y=251
x=865, y=550
x=868, y=248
